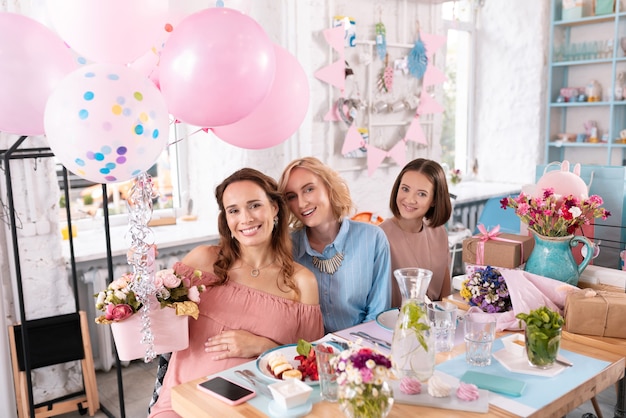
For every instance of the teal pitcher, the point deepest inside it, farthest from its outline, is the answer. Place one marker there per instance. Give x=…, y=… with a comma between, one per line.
x=552, y=257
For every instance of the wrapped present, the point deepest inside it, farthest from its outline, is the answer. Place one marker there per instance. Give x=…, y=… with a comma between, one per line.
x=598, y=313
x=497, y=249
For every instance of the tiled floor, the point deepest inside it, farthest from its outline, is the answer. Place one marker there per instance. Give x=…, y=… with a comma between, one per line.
x=138, y=378
x=138, y=381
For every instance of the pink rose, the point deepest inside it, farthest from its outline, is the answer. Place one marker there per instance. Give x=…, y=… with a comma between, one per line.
x=169, y=279
x=194, y=294
x=118, y=312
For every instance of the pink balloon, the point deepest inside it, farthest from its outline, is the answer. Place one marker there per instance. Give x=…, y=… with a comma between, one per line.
x=280, y=113
x=106, y=123
x=113, y=31
x=216, y=67
x=33, y=60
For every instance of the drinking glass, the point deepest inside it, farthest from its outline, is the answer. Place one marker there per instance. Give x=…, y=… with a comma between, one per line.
x=326, y=372
x=480, y=331
x=442, y=317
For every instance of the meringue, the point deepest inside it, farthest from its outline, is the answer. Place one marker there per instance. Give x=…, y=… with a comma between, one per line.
x=410, y=386
x=437, y=388
x=467, y=392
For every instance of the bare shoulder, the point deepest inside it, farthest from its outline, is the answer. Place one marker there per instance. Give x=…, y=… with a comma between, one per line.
x=307, y=283
x=202, y=257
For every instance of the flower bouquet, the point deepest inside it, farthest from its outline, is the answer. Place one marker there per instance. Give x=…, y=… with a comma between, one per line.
x=363, y=375
x=553, y=215
x=487, y=289
x=455, y=176
x=168, y=327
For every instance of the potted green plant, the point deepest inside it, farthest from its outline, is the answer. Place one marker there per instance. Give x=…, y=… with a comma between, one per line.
x=543, y=335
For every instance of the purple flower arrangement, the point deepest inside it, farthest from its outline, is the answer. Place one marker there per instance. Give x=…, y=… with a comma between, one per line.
x=486, y=288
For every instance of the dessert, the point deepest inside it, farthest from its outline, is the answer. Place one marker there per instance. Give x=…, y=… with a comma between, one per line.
x=467, y=392
x=278, y=364
x=437, y=388
x=410, y=386
x=292, y=374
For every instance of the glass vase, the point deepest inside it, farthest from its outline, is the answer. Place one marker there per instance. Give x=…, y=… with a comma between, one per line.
x=542, y=346
x=367, y=400
x=413, y=343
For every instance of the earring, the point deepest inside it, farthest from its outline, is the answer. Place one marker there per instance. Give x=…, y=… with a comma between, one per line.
x=275, y=221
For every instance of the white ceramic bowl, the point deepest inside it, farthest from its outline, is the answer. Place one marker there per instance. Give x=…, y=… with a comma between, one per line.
x=515, y=344
x=290, y=393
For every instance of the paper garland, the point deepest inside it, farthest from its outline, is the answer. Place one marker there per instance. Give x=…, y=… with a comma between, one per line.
x=334, y=74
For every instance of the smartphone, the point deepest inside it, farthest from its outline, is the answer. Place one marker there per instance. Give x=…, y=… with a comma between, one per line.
x=230, y=392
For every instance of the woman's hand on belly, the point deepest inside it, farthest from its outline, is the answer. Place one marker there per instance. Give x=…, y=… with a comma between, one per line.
x=237, y=343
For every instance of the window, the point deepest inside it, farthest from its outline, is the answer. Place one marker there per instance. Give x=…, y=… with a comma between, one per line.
x=86, y=196
x=457, y=133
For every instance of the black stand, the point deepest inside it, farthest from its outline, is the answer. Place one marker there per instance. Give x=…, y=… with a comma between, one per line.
x=15, y=153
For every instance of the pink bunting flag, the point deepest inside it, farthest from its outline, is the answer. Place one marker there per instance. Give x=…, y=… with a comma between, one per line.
x=428, y=104
x=415, y=132
x=334, y=37
x=353, y=140
x=398, y=153
x=333, y=74
x=432, y=42
x=375, y=157
x=433, y=76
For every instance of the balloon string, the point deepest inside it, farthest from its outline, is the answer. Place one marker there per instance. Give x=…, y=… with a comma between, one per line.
x=142, y=253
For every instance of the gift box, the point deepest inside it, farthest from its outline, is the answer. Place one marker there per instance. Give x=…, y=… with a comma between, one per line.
x=598, y=313
x=501, y=250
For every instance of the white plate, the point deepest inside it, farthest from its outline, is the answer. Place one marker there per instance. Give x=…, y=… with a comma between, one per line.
x=388, y=318
x=519, y=364
x=290, y=352
x=278, y=411
x=449, y=402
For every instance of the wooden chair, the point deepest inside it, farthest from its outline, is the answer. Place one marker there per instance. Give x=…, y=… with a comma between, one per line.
x=54, y=340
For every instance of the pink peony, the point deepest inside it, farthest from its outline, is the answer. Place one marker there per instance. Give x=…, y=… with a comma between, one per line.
x=194, y=294
x=170, y=280
x=118, y=312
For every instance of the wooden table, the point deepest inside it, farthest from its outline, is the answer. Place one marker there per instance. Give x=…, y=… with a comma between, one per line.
x=189, y=402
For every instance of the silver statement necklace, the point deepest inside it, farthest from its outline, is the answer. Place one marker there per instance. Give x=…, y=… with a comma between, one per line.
x=330, y=265
x=257, y=270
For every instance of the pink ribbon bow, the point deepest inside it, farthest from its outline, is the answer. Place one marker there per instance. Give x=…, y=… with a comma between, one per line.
x=486, y=235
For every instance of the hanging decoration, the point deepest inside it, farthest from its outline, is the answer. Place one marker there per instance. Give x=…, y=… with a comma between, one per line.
x=417, y=58
x=385, y=78
x=381, y=40
x=142, y=254
x=421, y=102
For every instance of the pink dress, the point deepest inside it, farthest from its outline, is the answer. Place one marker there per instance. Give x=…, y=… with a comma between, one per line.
x=234, y=306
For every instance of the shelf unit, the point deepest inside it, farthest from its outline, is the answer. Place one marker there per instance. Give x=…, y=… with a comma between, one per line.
x=598, y=57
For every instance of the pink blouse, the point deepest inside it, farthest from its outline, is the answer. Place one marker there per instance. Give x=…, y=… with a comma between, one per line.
x=426, y=249
x=227, y=307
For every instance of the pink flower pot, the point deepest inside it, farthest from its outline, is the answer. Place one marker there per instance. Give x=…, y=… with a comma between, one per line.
x=171, y=333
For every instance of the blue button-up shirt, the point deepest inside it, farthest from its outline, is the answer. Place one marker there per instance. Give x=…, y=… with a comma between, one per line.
x=360, y=289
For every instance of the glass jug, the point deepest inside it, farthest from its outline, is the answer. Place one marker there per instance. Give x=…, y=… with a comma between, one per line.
x=413, y=344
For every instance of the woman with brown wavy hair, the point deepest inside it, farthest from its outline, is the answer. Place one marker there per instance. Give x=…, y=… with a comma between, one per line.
x=257, y=297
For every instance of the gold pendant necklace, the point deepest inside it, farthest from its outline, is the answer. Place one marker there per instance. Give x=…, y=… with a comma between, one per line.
x=257, y=270
x=330, y=265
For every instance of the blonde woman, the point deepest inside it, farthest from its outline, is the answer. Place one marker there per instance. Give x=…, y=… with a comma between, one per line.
x=350, y=259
